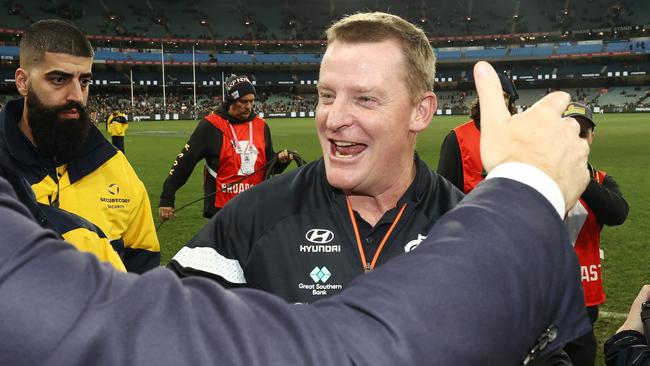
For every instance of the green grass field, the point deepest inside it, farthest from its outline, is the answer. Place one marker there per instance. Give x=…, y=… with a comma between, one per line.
x=621, y=147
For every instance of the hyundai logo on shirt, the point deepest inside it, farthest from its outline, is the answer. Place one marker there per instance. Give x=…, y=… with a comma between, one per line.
x=319, y=236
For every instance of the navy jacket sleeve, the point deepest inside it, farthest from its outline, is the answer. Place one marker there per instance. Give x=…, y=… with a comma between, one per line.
x=503, y=271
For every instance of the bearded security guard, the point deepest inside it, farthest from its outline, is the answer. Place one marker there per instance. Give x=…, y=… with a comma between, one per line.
x=67, y=161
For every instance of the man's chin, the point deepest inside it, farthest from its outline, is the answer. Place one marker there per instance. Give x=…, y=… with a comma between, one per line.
x=343, y=179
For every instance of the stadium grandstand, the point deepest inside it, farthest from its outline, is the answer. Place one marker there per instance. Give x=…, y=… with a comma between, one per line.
x=161, y=59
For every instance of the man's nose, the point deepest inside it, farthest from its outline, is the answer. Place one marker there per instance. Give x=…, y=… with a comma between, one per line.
x=75, y=92
x=339, y=115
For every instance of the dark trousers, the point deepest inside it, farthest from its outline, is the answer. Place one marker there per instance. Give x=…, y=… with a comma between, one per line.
x=118, y=142
x=582, y=350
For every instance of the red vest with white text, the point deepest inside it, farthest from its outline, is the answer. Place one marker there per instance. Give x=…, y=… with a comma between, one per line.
x=469, y=142
x=230, y=161
x=587, y=247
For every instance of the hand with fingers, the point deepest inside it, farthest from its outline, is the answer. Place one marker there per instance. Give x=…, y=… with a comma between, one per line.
x=539, y=137
x=166, y=213
x=285, y=156
x=633, y=321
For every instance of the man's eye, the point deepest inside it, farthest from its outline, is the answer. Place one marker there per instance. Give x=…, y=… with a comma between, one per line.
x=57, y=80
x=85, y=82
x=366, y=99
x=325, y=96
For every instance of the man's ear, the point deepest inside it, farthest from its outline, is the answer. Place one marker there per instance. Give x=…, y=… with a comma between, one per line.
x=424, y=110
x=21, y=77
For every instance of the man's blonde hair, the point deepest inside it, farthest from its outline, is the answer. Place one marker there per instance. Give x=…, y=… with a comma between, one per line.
x=378, y=27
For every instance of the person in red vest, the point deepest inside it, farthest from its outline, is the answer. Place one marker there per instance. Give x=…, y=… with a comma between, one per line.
x=460, y=157
x=235, y=143
x=601, y=204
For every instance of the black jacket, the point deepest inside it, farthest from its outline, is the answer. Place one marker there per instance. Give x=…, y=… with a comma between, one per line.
x=293, y=236
x=627, y=348
x=450, y=163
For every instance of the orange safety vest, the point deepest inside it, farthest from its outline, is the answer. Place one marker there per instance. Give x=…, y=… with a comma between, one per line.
x=469, y=142
x=230, y=161
x=587, y=247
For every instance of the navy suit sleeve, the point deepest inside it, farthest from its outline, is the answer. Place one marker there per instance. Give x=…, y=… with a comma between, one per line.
x=489, y=272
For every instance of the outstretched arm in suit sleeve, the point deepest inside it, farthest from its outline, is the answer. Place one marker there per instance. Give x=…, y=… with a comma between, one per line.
x=453, y=300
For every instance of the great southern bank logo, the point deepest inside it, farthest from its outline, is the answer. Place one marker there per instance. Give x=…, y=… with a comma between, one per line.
x=319, y=287
x=319, y=236
x=320, y=274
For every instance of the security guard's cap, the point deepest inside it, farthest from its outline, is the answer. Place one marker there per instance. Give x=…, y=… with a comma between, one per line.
x=576, y=109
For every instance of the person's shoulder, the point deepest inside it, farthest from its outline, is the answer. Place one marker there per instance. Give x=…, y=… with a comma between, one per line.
x=66, y=221
x=204, y=124
x=119, y=167
x=260, y=118
x=450, y=138
x=470, y=124
x=433, y=185
x=293, y=191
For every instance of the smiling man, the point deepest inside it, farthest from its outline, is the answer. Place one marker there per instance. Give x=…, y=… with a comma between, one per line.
x=307, y=234
x=49, y=138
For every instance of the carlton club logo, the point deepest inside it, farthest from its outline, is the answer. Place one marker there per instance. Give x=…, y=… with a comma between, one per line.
x=319, y=236
x=114, y=189
x=414, y=243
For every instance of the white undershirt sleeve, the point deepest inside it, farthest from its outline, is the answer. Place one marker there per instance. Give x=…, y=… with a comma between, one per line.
x=533, y=177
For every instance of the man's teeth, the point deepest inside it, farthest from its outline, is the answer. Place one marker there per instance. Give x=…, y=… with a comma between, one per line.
x=343, y=143
x=345, y=149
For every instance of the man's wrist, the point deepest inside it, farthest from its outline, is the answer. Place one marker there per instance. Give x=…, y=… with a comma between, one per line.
x=166, y=202
x=533, y=177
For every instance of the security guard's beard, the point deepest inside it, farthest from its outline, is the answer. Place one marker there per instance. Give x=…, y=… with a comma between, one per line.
x=55, y=137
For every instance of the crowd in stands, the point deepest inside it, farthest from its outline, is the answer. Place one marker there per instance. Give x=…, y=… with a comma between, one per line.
x=144, y=104
x=100, y=104
x=286, y=103
x=454, y=99
x=306, y=20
